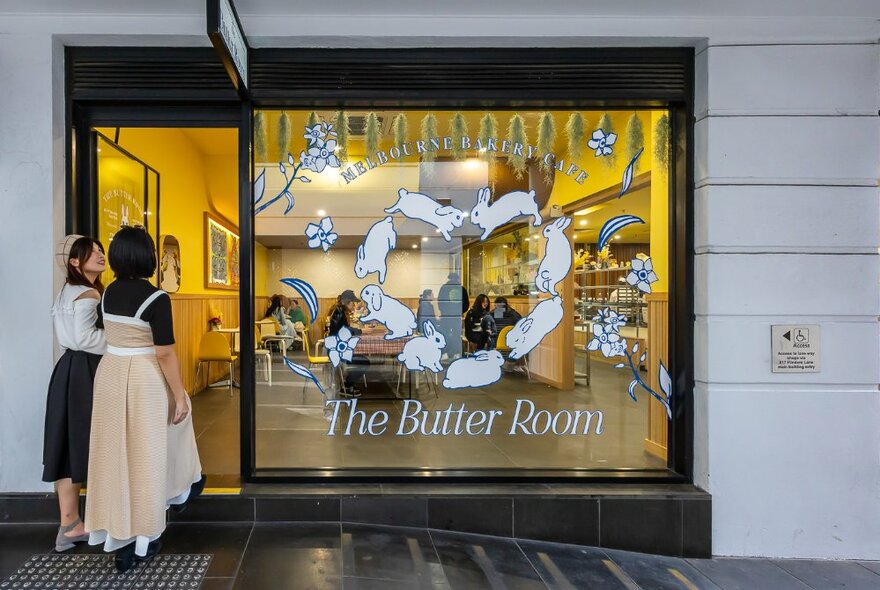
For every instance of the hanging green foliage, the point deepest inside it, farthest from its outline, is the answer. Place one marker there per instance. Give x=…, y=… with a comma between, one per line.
x=428, y=132
x=661, y=142
x=340, y=126
x=546, y=143
x=398, y=129
x=458, y=130
x=635, y=139
x=283, y=136
x=488, y=128
x=313, y=119
x=516, y=134
x=371, y=134
x=607, y=126
x=575, y=129
x=260, y=147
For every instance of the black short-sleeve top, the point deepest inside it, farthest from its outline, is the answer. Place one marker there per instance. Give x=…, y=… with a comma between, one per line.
x=124, y=297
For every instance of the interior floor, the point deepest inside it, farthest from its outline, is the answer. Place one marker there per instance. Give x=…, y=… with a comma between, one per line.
x=293, y=426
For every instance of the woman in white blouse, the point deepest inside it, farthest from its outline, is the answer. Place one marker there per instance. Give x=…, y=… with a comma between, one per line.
x=69, y=403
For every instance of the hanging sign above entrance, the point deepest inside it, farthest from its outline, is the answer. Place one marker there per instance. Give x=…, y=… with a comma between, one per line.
x=227, y=36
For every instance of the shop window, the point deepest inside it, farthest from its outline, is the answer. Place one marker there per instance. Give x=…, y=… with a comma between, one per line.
x=468, y=291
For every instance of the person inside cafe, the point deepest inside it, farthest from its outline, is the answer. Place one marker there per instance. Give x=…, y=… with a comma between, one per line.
x=295, y=313
x=479, y=325
x=340, y=316
x=426, y=311
x=503, y=316
x=277, y=312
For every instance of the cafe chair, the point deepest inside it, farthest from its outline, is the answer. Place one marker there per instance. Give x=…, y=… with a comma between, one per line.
x=260, y=353
x=214, y=348
x=502, y=347
x=314, y=359
x=269, y=334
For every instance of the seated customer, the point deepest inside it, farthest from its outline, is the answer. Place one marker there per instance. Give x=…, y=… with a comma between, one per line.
x=479, y=325
x=503, y=315
x=295, y=313
x=277, y=312
x=339, y=318
x=426, y=311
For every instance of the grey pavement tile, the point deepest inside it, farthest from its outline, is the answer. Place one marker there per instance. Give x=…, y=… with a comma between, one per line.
x=566, y=567
x=747, y=574
x=831, y=575
x=391, y=553
x=874, y=566
x=477, y=561
x=655, y=572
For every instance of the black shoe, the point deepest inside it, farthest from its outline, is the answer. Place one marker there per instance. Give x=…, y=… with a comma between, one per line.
x=195, y=491
x=124, y=558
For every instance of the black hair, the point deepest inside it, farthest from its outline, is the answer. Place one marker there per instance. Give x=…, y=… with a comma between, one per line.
x=132, y=254
x=81, y=250
x=478, y=302
x=274, y=305
x=501, y=299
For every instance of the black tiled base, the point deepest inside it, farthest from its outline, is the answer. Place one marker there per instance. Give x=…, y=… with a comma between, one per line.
x=664, y=519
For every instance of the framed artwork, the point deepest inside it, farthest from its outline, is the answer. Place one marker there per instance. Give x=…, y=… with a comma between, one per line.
x=169, y=265
x=221, y=254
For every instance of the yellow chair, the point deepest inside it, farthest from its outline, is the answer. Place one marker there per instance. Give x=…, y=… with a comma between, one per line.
x=259, y=352
x=214, y=348
x=314, y=359
x=502, y=347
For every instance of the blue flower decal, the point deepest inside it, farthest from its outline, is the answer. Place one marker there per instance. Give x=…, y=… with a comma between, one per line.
x=642, y=275
x=314, y=134
x=321, y=235
x=602, y=143
x=341, y=347
x=607, y=340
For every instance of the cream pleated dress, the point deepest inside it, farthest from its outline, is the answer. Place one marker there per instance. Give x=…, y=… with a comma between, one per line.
x=139, y=462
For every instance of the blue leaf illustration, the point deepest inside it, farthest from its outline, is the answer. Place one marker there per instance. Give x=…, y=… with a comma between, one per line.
x=628, y=173
x=619, y=365
x=665, y=381
x=303, y=179
x=643, y=357
x=307, y=293
x=290, y=158
x=282, y=168
x=289, y=197
x=613, y=225
x=632, y=389
x=636, y=347
x=260, y=186
x=301, y=370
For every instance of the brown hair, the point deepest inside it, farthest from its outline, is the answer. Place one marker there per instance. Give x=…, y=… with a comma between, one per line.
x=81, y=250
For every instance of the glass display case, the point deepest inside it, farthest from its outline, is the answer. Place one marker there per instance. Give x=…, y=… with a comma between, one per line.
x=504, y=264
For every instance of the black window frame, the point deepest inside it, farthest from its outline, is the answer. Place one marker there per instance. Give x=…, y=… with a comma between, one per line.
x=161, y=91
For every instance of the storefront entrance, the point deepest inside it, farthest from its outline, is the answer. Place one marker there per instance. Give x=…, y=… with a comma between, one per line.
x=491, y=282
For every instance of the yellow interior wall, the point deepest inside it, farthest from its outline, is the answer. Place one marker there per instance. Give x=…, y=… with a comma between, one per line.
x=188, y=189
x=261, y=270
x=659, y=217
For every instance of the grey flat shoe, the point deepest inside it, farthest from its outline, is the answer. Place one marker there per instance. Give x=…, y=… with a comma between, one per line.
x=65, y=543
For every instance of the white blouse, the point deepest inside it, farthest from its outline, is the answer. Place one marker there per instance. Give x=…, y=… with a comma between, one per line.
x=75, y=320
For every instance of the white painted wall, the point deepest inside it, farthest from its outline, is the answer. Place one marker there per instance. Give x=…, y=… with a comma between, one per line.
x=786, y=227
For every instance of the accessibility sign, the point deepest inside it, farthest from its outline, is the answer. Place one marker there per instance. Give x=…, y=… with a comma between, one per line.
x=795, y=349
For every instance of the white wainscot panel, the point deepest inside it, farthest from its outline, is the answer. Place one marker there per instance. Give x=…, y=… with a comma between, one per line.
x=737, y=351
x=788, y=150
x=787, y=284
x=794, y=473
x=795, y=79
x=787, y=218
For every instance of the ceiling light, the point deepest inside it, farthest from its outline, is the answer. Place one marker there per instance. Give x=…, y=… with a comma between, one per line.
x=321, y=212
x=465, y=214
x=583, y=223
x=425, y=239
x=415, y=246
x=616, y=237
x=472, y=164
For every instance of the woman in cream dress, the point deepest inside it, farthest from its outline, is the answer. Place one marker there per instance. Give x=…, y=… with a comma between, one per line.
x=142, y=452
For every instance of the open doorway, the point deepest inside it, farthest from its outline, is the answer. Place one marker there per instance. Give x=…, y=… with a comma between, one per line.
x=181, y=184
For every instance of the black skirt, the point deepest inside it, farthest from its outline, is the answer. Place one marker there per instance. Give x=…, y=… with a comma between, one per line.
x=69, y=417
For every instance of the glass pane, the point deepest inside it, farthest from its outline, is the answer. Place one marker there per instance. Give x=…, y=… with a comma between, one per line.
x=471, y=290
x=121, y=194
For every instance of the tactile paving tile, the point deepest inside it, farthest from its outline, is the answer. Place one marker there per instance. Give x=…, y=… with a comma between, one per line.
x=85, y=572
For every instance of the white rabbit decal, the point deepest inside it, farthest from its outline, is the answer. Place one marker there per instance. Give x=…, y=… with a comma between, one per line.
x=422, y=207
x=124, y=221
x=489, y=216
x=484, y=368
x=557, y=257
x=388, y=311
x=529, y=331
x=371, y=255
x=424, y=351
